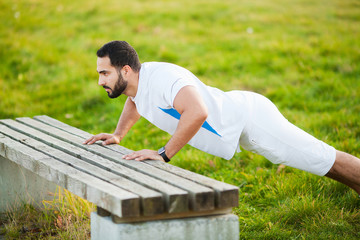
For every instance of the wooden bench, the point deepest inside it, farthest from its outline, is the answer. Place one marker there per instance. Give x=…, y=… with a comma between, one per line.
x=128, y=194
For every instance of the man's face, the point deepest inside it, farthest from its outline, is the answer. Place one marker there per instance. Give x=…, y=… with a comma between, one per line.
x=110, y=78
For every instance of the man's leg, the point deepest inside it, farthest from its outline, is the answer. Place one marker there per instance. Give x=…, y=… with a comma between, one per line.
x=346, y=170
x=269, y=134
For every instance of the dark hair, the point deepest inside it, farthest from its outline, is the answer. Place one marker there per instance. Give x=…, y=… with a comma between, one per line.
x=120, y=54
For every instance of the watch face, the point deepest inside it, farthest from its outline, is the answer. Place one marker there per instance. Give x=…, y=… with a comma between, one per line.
x=161, y=150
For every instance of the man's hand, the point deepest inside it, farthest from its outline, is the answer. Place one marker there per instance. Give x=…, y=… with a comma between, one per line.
x=106, y=137
x=144, y=154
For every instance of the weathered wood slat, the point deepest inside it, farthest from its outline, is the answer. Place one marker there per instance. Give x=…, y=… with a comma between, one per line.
x=226, y=195
x=120, y=202
x=176, y=199
x=201, y=197
x=75, y=131
x=63, y=126
x=151, y=201
x=219, y=211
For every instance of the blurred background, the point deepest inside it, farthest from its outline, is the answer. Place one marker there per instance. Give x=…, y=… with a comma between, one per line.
x=304, y=55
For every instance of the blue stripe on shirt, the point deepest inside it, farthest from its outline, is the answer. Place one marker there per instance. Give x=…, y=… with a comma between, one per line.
x=172, y=112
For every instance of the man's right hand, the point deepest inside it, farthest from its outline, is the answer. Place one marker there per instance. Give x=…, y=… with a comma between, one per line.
x=106, y=137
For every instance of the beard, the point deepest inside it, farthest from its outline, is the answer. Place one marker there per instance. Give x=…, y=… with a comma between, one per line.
x=119, y=87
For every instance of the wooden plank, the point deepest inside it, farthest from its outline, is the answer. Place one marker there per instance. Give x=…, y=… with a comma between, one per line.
x=226, y=195
x=75, y=131
x=201, y=198
x=63, y=126
x=102, y=212
x=171, y=216
x=176, y=199
x=151, y=201
x=120, y=202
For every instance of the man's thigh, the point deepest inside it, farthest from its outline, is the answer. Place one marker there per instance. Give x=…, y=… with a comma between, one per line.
x=269, y=134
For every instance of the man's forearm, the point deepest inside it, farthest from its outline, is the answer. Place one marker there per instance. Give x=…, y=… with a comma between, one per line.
x=193, y=111
x=128, y=118
x=187, y=127
x=183, y=134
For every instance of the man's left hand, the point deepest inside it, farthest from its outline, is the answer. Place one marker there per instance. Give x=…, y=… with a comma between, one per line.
x=144, y=154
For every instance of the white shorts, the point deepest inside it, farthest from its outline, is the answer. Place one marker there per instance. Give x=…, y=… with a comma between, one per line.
x=269, y=134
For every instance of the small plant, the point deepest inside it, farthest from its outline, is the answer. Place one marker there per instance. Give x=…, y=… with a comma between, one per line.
x=67, y=216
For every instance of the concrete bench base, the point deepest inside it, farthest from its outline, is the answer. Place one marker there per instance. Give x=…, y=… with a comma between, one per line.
x=199, y=228
x=19, y=185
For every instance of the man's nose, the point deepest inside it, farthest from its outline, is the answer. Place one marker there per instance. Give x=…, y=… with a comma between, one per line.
x=101, y=81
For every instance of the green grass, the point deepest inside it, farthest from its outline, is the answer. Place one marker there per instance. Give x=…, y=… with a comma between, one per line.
x=304, y=55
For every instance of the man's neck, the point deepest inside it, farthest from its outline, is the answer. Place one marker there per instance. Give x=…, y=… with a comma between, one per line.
x=133, y=83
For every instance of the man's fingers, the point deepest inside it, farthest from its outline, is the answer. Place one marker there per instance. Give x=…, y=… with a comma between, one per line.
x=94, y=139
x=143, y=155
x=140, y=158
x=108, y=141
x=130, y=156
x=89, y=140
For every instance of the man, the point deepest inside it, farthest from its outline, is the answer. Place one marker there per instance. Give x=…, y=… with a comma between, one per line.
x=217, y=122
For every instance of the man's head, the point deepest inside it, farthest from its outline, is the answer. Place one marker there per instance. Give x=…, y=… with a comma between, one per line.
x=115, y=60
x=120, y=54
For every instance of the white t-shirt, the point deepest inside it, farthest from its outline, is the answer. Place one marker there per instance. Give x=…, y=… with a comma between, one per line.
x=159, y=83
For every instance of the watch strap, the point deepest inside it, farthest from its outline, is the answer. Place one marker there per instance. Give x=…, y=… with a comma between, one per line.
x=161, y=152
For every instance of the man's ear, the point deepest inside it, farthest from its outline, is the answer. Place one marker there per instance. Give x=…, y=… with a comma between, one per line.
x=126, y=69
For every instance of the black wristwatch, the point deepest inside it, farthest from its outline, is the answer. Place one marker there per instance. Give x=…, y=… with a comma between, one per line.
x=161, y=152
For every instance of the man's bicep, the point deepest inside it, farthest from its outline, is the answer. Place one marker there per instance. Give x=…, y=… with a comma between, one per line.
x=188, y=98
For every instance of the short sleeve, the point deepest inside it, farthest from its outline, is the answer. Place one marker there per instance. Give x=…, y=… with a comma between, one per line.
x=164, y=84
x=178, y=84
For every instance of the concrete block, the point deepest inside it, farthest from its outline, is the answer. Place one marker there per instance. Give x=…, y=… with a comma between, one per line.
x=199, y=228
x=19, y=185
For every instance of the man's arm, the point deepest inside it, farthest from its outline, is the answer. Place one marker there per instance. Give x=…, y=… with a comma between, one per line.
x=128, y=118
x=193, y=110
